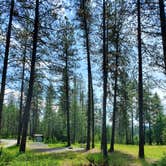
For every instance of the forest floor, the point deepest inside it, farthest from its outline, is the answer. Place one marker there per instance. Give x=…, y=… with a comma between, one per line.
x=39, y=154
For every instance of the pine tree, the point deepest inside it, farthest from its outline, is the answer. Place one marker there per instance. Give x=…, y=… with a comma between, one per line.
x=104, y=131
x=140, y=84
x=21, y=96
x=85, y=19
x=31, y=81
x=163, y=28
x=5, y=66
x=49, y=114
x=9, y=121
x=68, y=59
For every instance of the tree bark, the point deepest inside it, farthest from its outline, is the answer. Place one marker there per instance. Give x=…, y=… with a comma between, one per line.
x=132, y=128
x=82, y=111
x=163, y=29
x=67, y=104
x=144, y=126
x=75, y=109
x=125, y=115
x=150, y=133
x=90, y=84
x=93, y=117
x=67, y=95
x=21, y=98
x=140, y=85
x=5, y=65
x=31, y=81
x=104, y=129
x=115, y=104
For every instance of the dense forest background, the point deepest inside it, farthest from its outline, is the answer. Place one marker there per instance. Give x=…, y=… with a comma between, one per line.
x=83, y=71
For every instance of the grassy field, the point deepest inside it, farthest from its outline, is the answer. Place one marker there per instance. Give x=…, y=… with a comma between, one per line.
x=151, y=152
x=125, y=155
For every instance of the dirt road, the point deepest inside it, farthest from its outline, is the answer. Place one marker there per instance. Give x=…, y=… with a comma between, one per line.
x=43, y=148
x=7, y=142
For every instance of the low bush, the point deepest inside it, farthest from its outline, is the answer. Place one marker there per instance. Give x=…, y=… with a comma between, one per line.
x=162, y=162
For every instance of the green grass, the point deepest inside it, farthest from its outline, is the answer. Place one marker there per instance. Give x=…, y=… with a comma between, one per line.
x=125, y=155
x=57, y=145
x=11, y=157
x=116, y=159
x=64, y=144
x=48, y=159
x=151, y=152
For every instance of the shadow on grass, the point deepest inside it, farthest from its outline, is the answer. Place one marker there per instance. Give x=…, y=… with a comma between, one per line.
x=58, y=159
x=116, y=159
x=79, y=158
x=70, y=158
x=135, y=160
x=44, y=150
x=14, y=147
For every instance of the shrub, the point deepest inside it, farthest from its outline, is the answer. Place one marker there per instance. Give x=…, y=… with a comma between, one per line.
x=96, y=159
x=162, y=162
x=164, y=136
x=5, y=157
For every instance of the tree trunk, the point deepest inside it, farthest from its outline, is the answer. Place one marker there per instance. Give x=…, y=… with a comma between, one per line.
x=144, y=126
x=125, y=115
x=67, y=95
x=104, y=130
x=5, y=65
x=82, y=111
x=35, y=123
x=30, y=127
x=90, y=86
x=132, y=128
x=31, y=81
x=140, y=86
x=115, y=103
x=67, y=104
x=150, y=134
x=127, y=139
x=163, y=28
x=93, y=117
x=21, y=98
x=75, y=109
